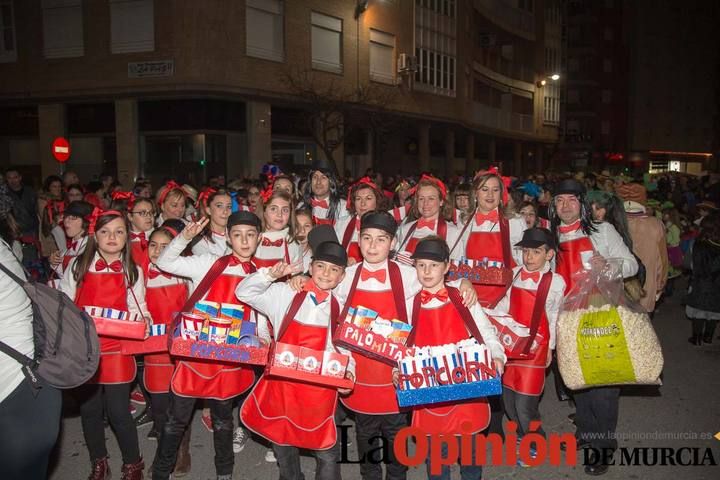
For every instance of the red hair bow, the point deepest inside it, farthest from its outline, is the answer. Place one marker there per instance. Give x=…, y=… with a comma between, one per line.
x=55, y=206
x=129, y=196
x=204, y=196
x=169, y=187
x=506, y=181
x=439, y=183
x=97, y=213
x=363, y=181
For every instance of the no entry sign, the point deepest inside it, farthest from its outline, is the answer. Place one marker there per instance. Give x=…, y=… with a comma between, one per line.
x=61, y=149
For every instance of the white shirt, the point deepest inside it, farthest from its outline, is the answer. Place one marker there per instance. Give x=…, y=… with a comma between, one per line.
x=274, y=300
x=517, y=227
x=271, y=252
x=341, y=210
x=15, y=322
x=451, y=237
x=217, y=247
x=75, y=251
x=68, y=285
x=553, y=303
x=342, y=224
x=607, y=243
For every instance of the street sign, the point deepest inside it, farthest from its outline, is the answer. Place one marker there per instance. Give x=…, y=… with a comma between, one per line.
x=61, y=149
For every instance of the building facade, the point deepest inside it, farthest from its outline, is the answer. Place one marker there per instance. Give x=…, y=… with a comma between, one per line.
x=187, y=89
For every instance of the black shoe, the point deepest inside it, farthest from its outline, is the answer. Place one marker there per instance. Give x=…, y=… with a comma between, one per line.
x=581, y=443
x=145, y=418
x=695, y=340
x=152, y=434
x=594, y=467
x=707, y=339
x=571, y=417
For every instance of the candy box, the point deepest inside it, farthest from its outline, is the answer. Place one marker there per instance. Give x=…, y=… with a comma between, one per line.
x=117, y=323
x=310, y=360
x=286, y=356
x=366, y=342
x=361, y=316
x=242, y=332
x=334, y=365
x=207, y=309
x=231, y=311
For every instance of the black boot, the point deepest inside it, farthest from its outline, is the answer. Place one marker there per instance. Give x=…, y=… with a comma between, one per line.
x=709, y=330
x=695, y=340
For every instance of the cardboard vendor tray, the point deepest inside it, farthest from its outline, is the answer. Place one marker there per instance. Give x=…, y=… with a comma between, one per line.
x=449, y=393
x=324, y=380
x=370, y=344
x=111, y=327
x=230, y=353
x=154, y=344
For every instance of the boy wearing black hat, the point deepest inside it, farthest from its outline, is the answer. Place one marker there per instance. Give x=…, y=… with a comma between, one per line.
x=533, y=300
x=292, y=414
x=386, y=287
x=439, y=317
x=218, y=383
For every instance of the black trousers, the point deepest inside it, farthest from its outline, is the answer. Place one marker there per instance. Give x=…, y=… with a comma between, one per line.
x=159, y=403
x=370, y=430
x=597, y=415
x=522, y=409
x=327, y=466
x=703, y=328
x=180, y=412
x=115, y=401
x=29, y=428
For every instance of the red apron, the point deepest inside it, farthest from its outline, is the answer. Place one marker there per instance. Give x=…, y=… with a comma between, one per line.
x=527, y=376
x=289, y=412
x=374, y=393
x=216, y=380
x=269, y=262
x=352, y=247
x=440, y=229
x=107, y=290
x=479, y=246
x=439, y=326
x=138, y=250
x=162, y=303
x=569, y=259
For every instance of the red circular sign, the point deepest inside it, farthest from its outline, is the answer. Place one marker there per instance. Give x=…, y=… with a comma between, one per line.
x=61, y=149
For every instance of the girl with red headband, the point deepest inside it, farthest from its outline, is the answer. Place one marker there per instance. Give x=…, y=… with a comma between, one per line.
x=171, y=199
x=141, y=214
x=216, y=205
x=431, y=214
x=364, y=196
x=277, y=241
x=106, y=276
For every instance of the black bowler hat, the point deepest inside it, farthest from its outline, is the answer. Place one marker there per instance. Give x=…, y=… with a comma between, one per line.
x=569, y=186
x=244, y=218
x=331, y=252
x=432, y=248
x=537, y=237
x=78, y=208
x=320, y=234
x=379, y=219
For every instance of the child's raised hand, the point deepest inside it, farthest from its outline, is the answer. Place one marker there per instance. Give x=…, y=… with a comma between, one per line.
x=280, y=269
x=193, y=228
x=297, y=283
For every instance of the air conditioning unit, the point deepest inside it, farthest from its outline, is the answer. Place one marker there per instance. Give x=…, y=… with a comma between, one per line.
x=487, y=40
x=407, y=63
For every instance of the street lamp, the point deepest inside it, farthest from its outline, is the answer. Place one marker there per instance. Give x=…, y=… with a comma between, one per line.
x=554, y=77
x=360, y=8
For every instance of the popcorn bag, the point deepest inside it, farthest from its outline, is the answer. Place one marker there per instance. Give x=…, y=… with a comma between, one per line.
x=480, y=272
x=308, y=365
x=513, y=335
x=447, y=373
x=364, y=332
x=217, y=332
x=117, y=323
x=604, y=338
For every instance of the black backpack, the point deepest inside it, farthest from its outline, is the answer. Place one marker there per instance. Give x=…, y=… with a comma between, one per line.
x=67, y=350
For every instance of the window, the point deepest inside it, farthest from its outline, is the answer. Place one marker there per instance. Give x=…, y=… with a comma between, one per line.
x=606, y=96
x=442, y=7
x=264, y=29
x=382, y=56
x=436, y=70
x=605, y=127
x=607, y=66
x=326, y=42
x=62, y=28
x=8, y=52
x=132, y=26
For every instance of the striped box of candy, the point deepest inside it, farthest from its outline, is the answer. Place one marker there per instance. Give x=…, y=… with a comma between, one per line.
x=117, y=323
x=480, y=272
x=157, y=342
x=447, y=373
x=218, y=332
x=311, y=366
x=364, y=332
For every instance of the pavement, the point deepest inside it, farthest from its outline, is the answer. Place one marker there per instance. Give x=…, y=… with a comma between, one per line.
x=682, y=413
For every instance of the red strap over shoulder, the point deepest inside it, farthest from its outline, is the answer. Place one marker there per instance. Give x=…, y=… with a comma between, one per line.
x=508, y=261
x=347, y=235
x=398, y=290
x=215, y=270
x=540, y=299
x=442, y=228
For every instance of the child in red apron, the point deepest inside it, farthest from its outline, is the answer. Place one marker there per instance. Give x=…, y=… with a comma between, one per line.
x=384, y=286
x=433, y=214
x=533, y=282
x=141, y=213
x=363, y=197
x=217, y=382
x=165, y=294
x=277, y=242
x=105, y=276
x=438, y=318
x=217, y=206
x=75, y=227
x=294, y=414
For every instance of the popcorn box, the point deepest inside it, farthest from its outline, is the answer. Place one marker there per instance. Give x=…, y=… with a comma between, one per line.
x=286, y=356
x=117, y=323
x=310, y=360
x=366, y=342
x=334, y=365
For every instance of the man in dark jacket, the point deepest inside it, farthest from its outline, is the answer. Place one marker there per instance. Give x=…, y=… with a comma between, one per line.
x=24, y=212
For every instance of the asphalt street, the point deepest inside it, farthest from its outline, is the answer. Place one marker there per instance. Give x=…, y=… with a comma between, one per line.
x=682, y=413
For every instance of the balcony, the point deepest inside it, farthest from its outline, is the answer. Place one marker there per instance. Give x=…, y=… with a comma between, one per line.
x=501, y=119
x=512, y=19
